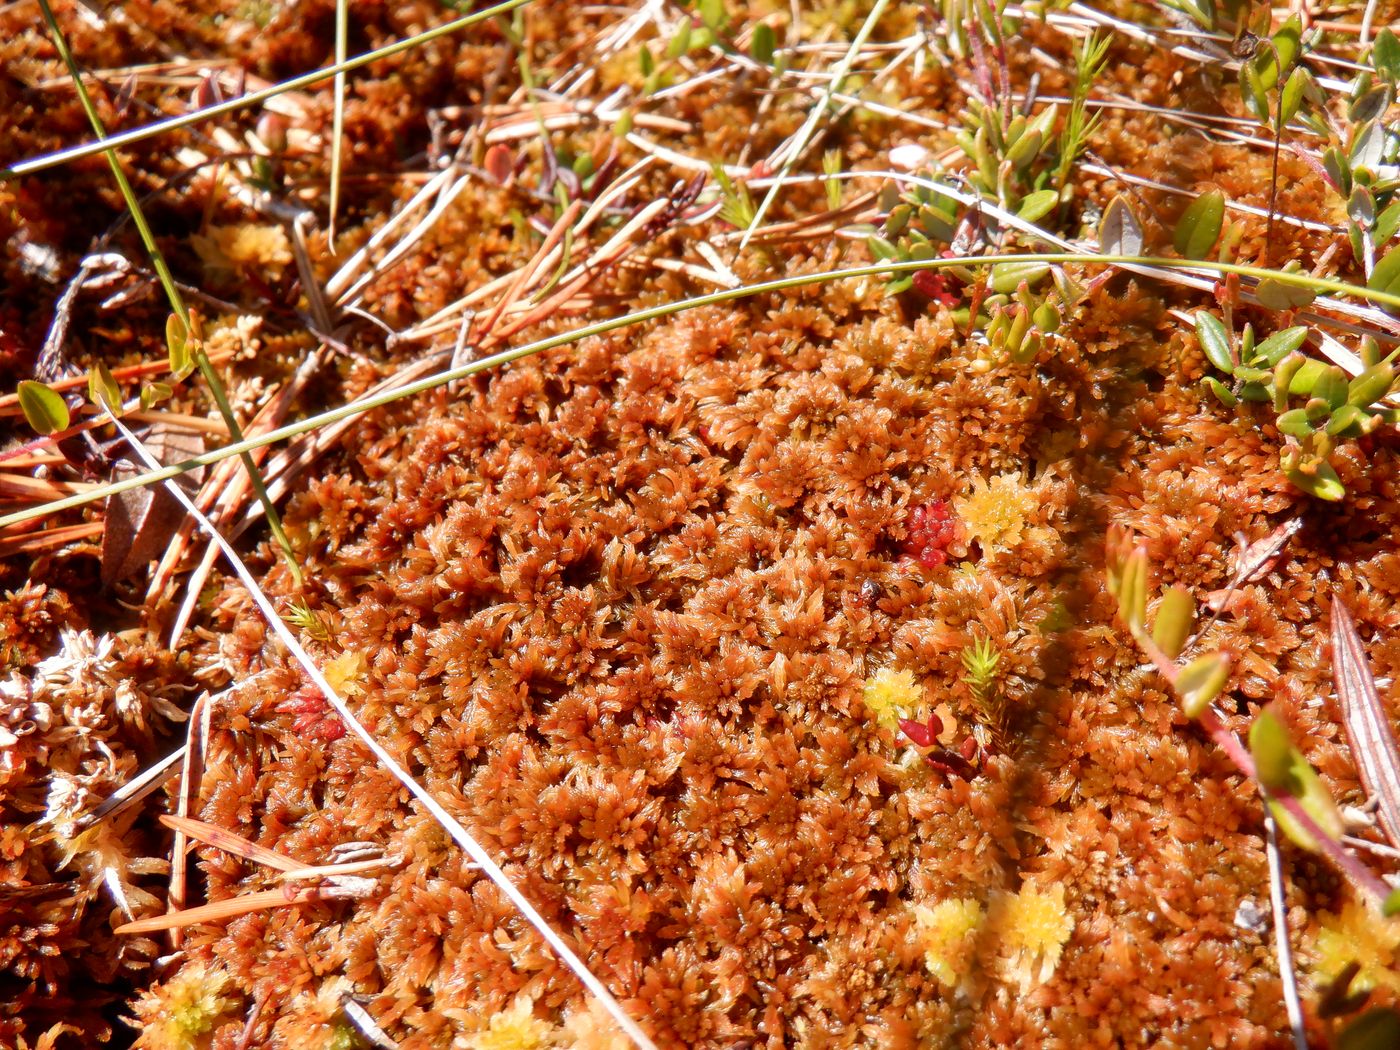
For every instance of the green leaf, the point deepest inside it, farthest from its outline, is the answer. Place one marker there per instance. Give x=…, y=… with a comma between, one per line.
x=1210, y=332
x=1287, y=43
x=1282, y=769
x=680, y=43
x=1007, y=277
x=1278, y=295
x=1331, y=386
x=647, y=61
x=1385, y=55
x=712, y=13
x=103, y=390
x=1279, y=345
x=1292, y=96
x=1284, y=372
x=1306, y=377
x=1200, y=682
x=1368, y=145
x=1322, y=483
x=1273, y=752
x=764, y=44
x=1386, y=224
x=1338, y=168
x=177, y=344
x=1253, y=92
x=1347, y=421
x=1175, y=617
x=1361, y=207
x=154, y=394
x=1199, y=226
x=1295, y=422
x=881, y=249
x=1047, y=317
x=1371, y=104
x=45, y=410
x=1038, y=204
x=1386, y=276
x=1025, y=149
x=1221, y=391
x=1371, y=385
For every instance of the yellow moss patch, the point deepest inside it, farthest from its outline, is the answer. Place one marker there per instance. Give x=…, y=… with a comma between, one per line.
x=179, y=1014
x=947, y=933
x=345, y=671
x=1030, y=928
x=995, y=512
x=226, y=249
x=891, y=695
x=514, y=1028
x=1361, y=934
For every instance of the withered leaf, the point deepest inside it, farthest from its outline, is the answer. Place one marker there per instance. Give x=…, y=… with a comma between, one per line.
x=140, y=522
x=1120, y=230
x=1368, y=727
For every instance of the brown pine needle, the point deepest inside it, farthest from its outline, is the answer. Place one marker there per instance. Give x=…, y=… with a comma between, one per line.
x=230, y=843
x=48, y=539
x=241, y=905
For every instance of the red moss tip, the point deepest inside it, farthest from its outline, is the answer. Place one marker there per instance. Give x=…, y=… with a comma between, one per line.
x=314, y=717
x=932, y=527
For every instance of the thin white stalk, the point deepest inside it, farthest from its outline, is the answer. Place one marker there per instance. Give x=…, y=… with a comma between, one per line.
x=1366, y=17
x=1287, y=976
x=450, y=823
x=342, y=20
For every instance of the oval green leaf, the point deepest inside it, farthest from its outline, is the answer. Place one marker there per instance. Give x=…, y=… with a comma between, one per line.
x=1199, y=226
x=1322, y=483
x=1200, y=682
x=1385, y=55
x=1371, y=385
x=177, y=345
x=1038, y=204
x=1279, y=345
x=1278, y=295
x=1007, y=277
x=1274, y=754
x=102, y=388
x=1214, y=341
x=45, y=410
x=1176, y=615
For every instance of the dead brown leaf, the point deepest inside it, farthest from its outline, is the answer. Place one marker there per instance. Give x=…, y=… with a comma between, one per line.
x=141, y=522
x=1367, y=724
